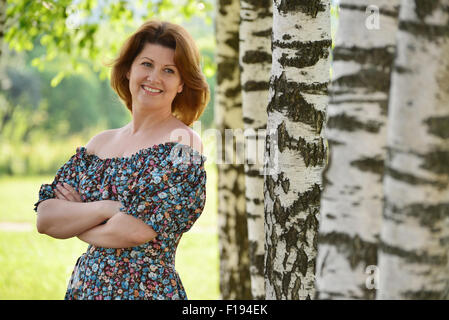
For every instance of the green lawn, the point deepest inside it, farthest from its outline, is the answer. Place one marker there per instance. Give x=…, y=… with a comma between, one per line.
x=35, y=266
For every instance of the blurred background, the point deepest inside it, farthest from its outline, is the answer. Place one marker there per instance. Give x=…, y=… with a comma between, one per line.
x=54, y=96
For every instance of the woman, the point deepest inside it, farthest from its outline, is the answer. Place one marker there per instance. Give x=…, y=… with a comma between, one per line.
x=132, y=192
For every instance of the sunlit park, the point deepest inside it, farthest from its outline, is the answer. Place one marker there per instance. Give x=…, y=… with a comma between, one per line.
x=324, y=126
x=55, y=95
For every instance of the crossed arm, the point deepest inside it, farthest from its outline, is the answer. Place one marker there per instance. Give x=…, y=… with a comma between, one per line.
x=67, y=217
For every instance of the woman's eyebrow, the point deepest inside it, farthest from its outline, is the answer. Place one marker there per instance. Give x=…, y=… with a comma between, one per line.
x=153, y=60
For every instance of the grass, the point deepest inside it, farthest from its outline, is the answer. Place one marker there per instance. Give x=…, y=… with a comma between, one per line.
x=36, y=266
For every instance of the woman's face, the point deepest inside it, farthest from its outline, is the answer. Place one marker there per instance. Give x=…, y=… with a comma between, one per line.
x=154, y=79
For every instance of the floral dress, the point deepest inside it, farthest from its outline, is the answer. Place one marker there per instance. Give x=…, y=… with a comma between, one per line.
x=164, y=186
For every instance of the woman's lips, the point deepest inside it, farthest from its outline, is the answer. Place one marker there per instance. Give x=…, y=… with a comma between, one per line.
x=151, y=93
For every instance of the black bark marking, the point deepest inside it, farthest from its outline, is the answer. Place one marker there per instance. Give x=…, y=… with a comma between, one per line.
x=285, y=183
x=350, y=123
x=312, y=223
x=374, y=165
x=421, y=29
x=248, y=120
x=303, y=261
x=437, y=162
x=256, y=56
x=287, y=99
x=308, y=53
x=222, y=5
x=426, y=295
x=412, y=256
x=233, y=92
x=425, y=8
x=309, y=7
x=256, y=86
x=233, y=41
x=263, y=33
x=326, y=182
x=382, y=57
x=412, y=179
x=285, y=284
x=257, y=259
x=401, y=69
x=292, y=239
x=357, y=250
x=438, y=126
x=370, y=79
x=313, y=153
x=296, y=286
x=428, y=215
x=226, y=69
x=261, y=6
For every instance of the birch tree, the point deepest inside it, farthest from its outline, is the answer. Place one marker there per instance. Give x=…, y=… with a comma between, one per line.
x=232, y=233
x=296, y=152
x=352, y=200
x=413, y=260
x=255, y=64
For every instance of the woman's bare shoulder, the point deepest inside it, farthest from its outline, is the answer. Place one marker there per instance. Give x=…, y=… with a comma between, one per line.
x=186, y=135
x=99, y=139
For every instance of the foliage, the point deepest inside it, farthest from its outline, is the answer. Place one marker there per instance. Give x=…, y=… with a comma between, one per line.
x=83, y=30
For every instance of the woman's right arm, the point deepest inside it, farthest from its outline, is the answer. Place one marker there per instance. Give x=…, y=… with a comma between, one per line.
x=64, y=219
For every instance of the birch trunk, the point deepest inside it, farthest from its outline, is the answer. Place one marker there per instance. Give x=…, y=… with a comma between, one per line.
x=413, y=260
x=295, y=146
x=233, y=233
x=255, y=64
x=351, y=203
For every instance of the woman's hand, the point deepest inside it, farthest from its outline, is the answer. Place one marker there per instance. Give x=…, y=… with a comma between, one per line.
x=111, y=207
x=67, y=192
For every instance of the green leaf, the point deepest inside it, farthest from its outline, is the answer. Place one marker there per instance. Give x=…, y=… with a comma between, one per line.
x=57, y=79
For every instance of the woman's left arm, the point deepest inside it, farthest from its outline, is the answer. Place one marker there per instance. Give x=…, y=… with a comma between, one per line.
x=120, y=231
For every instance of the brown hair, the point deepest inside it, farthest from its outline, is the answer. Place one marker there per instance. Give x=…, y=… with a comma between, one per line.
x=188, y=105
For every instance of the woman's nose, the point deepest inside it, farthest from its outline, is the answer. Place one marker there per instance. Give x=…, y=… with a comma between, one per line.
x=153, y=76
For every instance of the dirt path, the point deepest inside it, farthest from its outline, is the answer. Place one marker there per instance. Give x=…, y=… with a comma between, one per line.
x=16, y=226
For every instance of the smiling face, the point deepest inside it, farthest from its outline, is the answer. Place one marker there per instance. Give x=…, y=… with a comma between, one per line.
x=153, y=78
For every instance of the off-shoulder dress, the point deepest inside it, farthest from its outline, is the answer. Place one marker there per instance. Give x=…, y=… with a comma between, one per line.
x=164, y=186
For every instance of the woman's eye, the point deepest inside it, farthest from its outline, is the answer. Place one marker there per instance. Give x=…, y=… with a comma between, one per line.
x=146, y=64
x=170, y=70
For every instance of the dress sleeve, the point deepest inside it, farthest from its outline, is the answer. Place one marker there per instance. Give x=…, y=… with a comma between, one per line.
x=68, y=173
x=176, y=206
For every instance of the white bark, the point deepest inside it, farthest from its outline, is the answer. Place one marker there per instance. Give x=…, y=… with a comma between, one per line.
x=233, y=233
x=413, y=261
x=294, y=165
x=352, y=200
x=255, y=62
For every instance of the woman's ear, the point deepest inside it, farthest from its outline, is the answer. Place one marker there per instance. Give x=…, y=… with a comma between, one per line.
x=181, y=87
x=127, y=75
